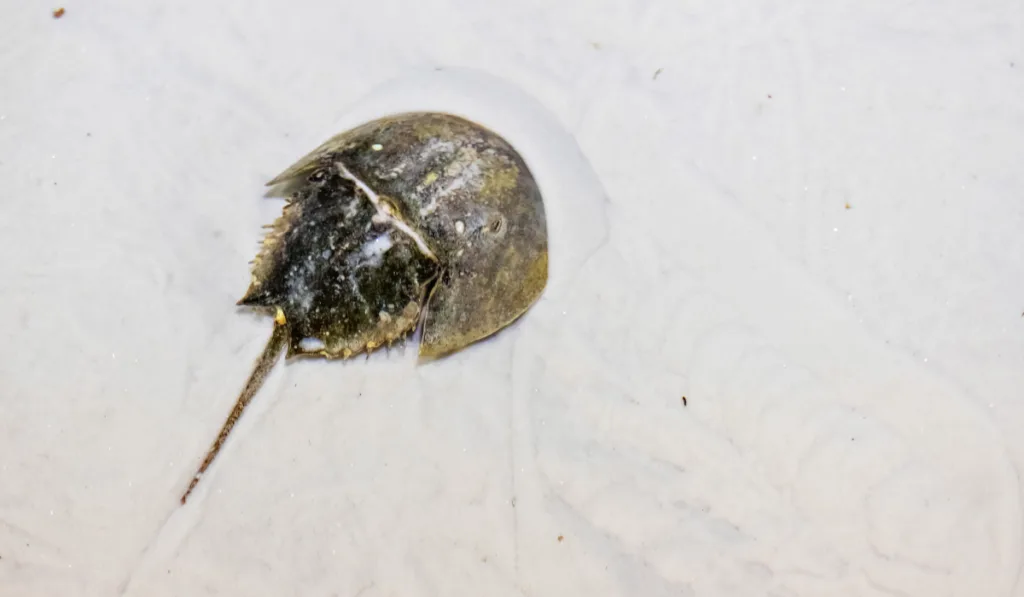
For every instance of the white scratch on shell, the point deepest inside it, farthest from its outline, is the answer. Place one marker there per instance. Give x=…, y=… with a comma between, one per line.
x=383, y=213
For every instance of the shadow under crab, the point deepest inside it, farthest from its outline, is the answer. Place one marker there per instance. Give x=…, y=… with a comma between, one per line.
x=419, y=221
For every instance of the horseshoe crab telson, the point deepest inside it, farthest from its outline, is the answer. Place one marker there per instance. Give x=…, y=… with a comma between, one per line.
x=416, y=221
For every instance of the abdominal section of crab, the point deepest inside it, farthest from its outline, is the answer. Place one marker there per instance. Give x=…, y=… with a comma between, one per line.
x=345, y=275
x=342, y=276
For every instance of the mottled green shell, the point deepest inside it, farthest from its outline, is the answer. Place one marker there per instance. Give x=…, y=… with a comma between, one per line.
x=414, y=218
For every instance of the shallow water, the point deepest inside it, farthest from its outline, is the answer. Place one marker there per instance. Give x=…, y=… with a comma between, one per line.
x=806, y=224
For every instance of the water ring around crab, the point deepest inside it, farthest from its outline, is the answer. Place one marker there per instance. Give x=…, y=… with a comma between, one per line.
x=365, y=254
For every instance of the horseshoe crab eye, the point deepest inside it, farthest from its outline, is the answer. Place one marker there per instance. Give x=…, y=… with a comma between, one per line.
x=497, y=224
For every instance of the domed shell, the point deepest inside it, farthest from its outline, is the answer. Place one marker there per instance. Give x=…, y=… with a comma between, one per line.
x=460, y=215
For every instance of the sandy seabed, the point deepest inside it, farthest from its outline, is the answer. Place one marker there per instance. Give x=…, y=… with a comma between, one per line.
x=804, y=217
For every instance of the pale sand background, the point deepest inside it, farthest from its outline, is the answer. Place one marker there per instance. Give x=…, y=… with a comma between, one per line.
x=855, y=376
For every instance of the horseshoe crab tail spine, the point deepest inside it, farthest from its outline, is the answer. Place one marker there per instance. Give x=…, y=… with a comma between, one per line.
x=264, y=364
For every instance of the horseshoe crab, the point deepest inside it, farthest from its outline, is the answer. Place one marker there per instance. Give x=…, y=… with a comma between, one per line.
x=415, y=222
